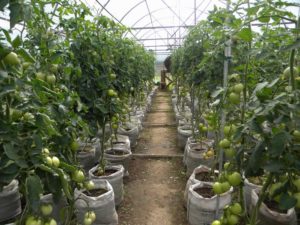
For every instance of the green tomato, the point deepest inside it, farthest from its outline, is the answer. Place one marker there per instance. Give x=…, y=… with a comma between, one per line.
x=55, y=161
x=225, y=143
x=287, y=72
x=296, y=135
x=51, y=222
x=233, y=219
x=31, y=221
x=78, y=176
x=216, y=222
x=236, y=208
x=26, y=65
x=54, y=68
x=226, y=165
x=111, y=93
x=229, y=153
x=217, y=188
x=225, y=186
x=112, y=76
x=49, y=161
x=91, y=215
x=28, y=116
x=51, y=79
x=89, y=185
x=234, y=98
x=238, y=88
x=114, y=126
x=74, y=146
x=46, y=209
x=40, y=76
x=11, y=59
x=87, y=221
x=235, y=179
x=46, y=151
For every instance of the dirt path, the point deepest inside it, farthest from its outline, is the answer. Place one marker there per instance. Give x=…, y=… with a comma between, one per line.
x=154, y=189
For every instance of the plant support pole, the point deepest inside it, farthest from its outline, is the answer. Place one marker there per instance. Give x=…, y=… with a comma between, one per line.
x=227, y=53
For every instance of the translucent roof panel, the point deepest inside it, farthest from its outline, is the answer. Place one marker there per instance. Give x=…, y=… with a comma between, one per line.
x=158, y=24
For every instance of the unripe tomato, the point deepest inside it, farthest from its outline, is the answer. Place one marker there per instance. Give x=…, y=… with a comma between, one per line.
x=87, y=221
x=229, y=152
x=51, y=79
x=238, y=88
x=217, y=188
x=11, y=59
x=49, y=161
x=112, y=76
x=225, y=186
x=216, y=222
x=234, y=98
x=89, y=185
x=287, y=72
x=46, y=209
x=235, y=179
x=40, y=76
x=296, y=135
x=55, y=161
x=74, y=145
x=233, y=220
x=111, y=93
x=236, y=208
x=225, y=143
x=78, y=176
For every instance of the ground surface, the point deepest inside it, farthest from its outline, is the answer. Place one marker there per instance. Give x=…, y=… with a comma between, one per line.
x=155, y=186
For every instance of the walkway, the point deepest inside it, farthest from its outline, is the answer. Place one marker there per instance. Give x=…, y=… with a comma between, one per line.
x=154, y=189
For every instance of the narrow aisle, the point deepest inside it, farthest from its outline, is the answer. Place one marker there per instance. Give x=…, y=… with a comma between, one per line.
x=154, y=189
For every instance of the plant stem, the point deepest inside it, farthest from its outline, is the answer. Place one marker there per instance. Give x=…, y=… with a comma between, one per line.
x=292, y=58
x=102, y=140
x=261, y=197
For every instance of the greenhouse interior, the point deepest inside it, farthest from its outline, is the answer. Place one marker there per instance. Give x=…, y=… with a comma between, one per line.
x=150, y=112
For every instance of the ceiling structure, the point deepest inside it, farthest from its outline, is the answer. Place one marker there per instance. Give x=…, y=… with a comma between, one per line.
x=160, y=25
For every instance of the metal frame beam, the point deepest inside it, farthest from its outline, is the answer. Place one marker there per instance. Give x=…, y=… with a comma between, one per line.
x=161, y=27
x=130, y=10
x=153, y=39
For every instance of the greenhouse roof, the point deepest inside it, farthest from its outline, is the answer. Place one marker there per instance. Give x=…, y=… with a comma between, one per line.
x=160, y=25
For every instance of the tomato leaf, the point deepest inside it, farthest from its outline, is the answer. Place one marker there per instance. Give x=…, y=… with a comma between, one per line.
x=34, y=189
x=278, y=143
x=26, y=55
x=17, y=42
x=245, y=34
x=287, y=201
x=3, y=3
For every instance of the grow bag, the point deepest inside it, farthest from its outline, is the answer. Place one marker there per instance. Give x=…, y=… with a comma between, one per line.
x=120, y=141
x=86, y=156
x=267, y=216
x=248, y=188
x=118, y=155
x=192, y=140
x=194, y=157
x=193, y=180
x=183, y=133
x=115, y=179
x=131, y=130
x=103, y=205
x=201, y=210
x=10, y=203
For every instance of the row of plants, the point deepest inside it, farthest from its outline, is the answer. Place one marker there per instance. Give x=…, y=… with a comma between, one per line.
x=66, y=78
x=239, y=72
